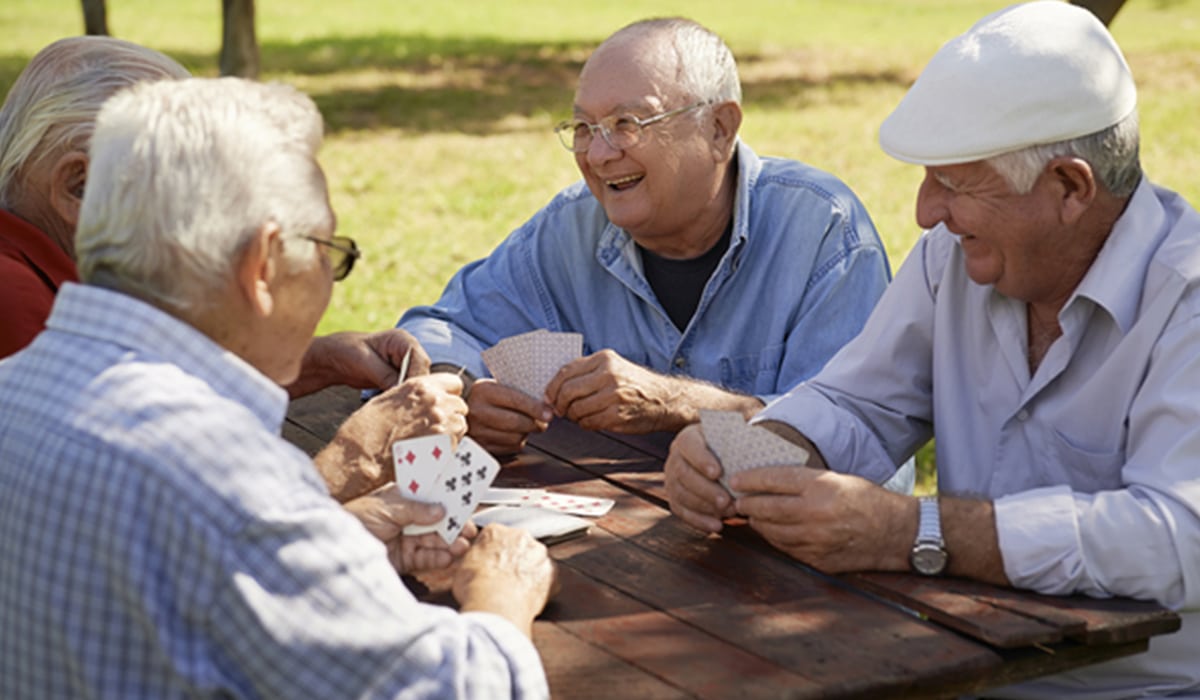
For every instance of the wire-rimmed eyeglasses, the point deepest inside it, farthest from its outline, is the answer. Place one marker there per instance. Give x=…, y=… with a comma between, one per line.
x=621, y=131
x=343, y=251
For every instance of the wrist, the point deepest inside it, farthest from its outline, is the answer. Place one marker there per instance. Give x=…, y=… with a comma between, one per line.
x=468, y=377
x=929, y=556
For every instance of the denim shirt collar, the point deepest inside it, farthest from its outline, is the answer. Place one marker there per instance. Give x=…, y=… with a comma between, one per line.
x=617, y=252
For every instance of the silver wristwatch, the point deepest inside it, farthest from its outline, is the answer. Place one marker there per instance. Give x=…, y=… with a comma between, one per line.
x=928, y=555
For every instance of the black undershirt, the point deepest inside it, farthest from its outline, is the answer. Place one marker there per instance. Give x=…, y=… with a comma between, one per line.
x=678, y=284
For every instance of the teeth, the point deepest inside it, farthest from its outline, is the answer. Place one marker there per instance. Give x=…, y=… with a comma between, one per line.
x=623, y=180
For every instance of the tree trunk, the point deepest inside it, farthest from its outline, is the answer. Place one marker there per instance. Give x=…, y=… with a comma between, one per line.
x=239, y=46
x=95, y=17
x=1105, y=10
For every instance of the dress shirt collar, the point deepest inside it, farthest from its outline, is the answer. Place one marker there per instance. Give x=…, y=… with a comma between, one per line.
x=153, y=335
x=1118, y=274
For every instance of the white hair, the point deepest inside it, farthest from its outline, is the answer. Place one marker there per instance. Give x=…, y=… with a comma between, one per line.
x=1112, y=153
x=182, y=177
x=706, y=68
x=52, y=105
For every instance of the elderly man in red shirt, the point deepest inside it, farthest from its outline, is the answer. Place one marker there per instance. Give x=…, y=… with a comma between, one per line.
x=45, y=126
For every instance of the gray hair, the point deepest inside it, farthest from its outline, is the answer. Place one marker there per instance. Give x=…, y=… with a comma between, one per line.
x=51, y=107
x=184, y=174
x=707, y=69
x=1112, y=153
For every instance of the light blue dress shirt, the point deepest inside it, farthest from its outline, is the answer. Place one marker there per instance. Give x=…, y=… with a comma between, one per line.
x=1093, y=461
x=804, y=268
x=159, y=539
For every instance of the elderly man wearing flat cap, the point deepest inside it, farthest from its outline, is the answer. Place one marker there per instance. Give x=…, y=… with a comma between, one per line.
x=1046, y=328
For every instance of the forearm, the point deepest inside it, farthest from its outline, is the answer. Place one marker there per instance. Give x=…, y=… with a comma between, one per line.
x=969, y=529
x=684, y=398
x=318, y=370
x=348, y=470
x=502, y=602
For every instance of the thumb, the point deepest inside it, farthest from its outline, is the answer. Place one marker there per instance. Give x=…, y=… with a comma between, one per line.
x=402, y=511
x=423, y=513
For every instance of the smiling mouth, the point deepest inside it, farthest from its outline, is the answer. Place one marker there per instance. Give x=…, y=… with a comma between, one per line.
x=623, y=183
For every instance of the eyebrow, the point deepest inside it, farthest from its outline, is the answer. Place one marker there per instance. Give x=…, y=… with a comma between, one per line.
x=944, y=180
x=621, y=109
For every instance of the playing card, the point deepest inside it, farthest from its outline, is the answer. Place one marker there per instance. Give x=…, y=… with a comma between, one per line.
x=574, y=505
x=509, y=496
x=530, y=360
x=464, y=482
x=546, y=525
x=740, y=446
x=418, y=463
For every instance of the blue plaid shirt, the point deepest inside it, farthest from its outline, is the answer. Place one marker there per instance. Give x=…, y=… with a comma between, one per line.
x=159, y=539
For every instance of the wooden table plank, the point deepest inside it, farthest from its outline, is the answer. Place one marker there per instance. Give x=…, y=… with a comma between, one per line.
x=576, y=669
x=974, y=608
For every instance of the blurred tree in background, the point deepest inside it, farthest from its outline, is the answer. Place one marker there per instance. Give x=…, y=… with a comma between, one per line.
x=1104, y=9
x=239, y=43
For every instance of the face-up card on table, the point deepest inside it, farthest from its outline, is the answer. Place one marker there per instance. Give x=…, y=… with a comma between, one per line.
x=574, y=505
x=529, y=361
x=591, y=506
x=497, y=495
x=740, y=446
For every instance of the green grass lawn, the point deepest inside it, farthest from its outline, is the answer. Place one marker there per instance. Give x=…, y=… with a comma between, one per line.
x=439, y=114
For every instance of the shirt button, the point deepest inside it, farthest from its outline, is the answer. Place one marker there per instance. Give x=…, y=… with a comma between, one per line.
x=1022, y=415
x=680, y=362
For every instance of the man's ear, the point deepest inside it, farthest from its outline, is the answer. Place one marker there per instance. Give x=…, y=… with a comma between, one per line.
x=258, y=267
x=727, y=119
x=67, y=179
x=1076, y=186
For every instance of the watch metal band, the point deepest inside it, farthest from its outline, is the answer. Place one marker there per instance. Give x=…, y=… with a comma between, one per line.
x=929, y=527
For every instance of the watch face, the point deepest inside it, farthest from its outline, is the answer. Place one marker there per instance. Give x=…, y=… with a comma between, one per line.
x=928, y=559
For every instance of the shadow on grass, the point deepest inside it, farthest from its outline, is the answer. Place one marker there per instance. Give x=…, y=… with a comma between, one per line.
x=467, y=85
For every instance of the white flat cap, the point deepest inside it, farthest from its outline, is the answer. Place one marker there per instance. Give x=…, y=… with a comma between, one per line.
x=1030, y=74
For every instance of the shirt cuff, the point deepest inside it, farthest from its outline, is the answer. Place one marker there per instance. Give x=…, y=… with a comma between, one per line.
x=525, y=664
x=1039, y=539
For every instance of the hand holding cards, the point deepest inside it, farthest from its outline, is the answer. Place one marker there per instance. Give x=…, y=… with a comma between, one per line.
x=740, y=446
x=428, y=470
x=529, y=361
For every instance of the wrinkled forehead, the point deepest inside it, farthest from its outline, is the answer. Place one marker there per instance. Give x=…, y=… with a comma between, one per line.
x=627, y=74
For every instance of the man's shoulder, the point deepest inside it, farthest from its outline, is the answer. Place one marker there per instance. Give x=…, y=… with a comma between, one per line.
x=572, y=210
x=1180, y=247
x=794, y=174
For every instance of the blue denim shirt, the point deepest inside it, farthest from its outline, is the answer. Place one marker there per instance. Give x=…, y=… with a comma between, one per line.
x=804, y=269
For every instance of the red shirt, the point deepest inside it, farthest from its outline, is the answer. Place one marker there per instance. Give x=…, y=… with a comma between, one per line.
x=32, y=267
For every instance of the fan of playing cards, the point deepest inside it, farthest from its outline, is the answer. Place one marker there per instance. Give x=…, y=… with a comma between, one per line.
x=428, y=470
x=529, y=361
x=740, y=446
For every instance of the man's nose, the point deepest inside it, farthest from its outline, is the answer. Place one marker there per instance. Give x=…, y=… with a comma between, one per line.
x=932, y=202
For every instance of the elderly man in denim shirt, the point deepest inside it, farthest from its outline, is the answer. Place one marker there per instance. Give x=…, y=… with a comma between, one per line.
x=700, y=275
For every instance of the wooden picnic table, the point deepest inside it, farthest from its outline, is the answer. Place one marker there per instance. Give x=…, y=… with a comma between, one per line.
x=650, y=608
